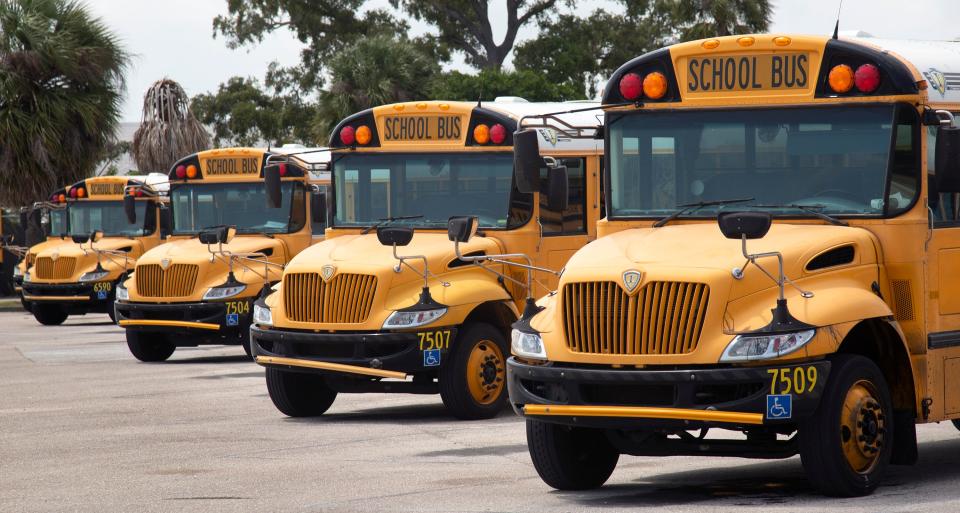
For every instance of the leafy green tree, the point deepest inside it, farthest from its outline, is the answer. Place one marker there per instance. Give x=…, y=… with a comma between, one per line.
x=61, y=81
x=584, y=51
x=242, y=113
x=488, y=84
x=464, y=25
x=323, y=26
x=168, y=131
x=373, y=71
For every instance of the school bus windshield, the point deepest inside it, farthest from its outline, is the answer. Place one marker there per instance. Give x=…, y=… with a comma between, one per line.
x=198, y=206
x=833, y=159
x=435, y=186
x=107, y=216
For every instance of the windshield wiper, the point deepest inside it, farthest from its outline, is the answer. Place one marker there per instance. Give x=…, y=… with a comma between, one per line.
x=693, y=207
x=812, y=210
x=384, y=220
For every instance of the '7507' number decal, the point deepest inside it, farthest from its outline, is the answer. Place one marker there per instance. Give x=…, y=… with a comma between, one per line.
x=430, y=340
x=792, y=380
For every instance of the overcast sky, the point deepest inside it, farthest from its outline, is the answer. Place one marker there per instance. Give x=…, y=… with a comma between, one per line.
x=173, y=38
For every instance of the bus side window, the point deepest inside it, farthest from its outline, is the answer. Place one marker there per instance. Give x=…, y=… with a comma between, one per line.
x=943, y=205
x=573, y=219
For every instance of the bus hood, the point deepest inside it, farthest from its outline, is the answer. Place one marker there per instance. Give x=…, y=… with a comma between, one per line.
x=191, y=256
x=699, y=252
x=68, y=260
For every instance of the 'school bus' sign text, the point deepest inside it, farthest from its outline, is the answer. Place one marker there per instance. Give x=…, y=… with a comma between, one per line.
x=747, y=72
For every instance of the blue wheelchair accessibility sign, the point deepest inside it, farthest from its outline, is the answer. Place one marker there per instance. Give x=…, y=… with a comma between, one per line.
x=101, y=294
x=233, y=319
x=431, y=358
x=779, y=406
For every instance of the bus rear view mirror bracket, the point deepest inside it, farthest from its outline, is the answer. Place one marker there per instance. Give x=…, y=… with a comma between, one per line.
x=271, y=178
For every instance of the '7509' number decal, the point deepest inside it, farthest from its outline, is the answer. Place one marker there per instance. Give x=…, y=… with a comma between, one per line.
x=430, y=340
x=792, y=380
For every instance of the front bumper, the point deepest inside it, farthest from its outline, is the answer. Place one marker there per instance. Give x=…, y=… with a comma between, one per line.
x=735, y=397
x=197, y=323
x=362, y=354
x=77, y=297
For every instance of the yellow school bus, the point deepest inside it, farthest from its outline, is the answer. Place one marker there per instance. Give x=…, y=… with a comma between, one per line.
x=46, y=219
x=229, y=246
x=777, y=261
x=79, y=273
x=384, y=304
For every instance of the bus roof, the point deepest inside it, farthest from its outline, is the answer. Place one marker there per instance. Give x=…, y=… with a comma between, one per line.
x=937, y=61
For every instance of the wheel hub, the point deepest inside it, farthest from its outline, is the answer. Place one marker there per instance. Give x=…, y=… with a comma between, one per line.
x=862, y=427
x=485, y=372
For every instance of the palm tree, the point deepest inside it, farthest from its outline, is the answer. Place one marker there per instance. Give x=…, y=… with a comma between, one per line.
x=374, y=71
x=61, y=81
x=168, y=131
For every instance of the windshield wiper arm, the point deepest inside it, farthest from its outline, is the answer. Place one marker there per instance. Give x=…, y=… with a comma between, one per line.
x=812, y=210
x=693, y=207
x=384, y=220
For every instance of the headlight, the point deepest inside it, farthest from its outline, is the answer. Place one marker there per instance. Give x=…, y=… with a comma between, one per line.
x=26, y=277
x=122, y=293
x=401, y=319
x=761, y=347
x=223, y=292
x=527, y=345
x=94, y=275
x=17, y=273
x=262, y=315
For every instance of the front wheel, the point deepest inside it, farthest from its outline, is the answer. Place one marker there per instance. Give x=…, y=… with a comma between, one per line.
x=298, y=394
x=149, y=347
x=473, y=382
x=49, y=315
x=570, y=458
x=845, y=446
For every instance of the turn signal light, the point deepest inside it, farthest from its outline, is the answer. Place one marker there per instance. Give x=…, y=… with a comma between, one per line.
x=63, y=198
x=481, y=134
x=73, y=192
x=347, y=135
x=867, y=78
x=191, y=171
x=498, y=134
x=655, y=85
x=81, y=192
x=363, y=134
x=283, y=169
x=631, y=86
x=841, y=78
x=181, y=171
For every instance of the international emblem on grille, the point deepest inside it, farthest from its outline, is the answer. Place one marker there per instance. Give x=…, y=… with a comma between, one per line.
x=164, y=263
x=327, y=272
x=54, y=256
x=631, y=279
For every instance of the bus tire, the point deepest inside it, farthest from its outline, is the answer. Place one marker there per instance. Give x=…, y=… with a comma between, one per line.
x=570, y=458
x=49, y=315
x=845, y=446
x=473, y=381
x=297, y=394
x=149, y=347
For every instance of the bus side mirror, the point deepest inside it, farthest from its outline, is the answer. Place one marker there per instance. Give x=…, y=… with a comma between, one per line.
x=271, y=176
x=527, y=161
x=96, y=236
x=744, y=225
x=318, y=207
x=218, y=235
x=79, y=239
x=394, y=235
x=165, y=222
x=947, y=159
x=461, y=228
x=558, y=193
x=130, y=208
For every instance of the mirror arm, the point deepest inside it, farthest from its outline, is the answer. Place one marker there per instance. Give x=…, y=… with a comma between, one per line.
x=503, y=259
x=402, y=260
x=946, y=118
x=752, y=259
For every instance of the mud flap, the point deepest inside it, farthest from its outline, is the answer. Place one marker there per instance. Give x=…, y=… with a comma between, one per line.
x=904, y=438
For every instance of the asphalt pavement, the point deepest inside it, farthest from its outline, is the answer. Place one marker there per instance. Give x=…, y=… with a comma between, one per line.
x=85, y=427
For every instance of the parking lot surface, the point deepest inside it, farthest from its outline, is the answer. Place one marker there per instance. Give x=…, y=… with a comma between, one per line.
x=85, y=427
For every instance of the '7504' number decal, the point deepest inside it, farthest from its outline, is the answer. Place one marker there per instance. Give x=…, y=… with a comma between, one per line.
x=792, y=380
x=430, y=340
x=238, y=307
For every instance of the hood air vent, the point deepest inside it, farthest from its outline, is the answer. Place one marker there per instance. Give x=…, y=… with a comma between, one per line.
x=832, y=258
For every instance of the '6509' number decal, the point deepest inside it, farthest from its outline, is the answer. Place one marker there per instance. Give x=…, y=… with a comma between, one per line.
x=430, y=340
x=792, y=380
x=238, y=307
